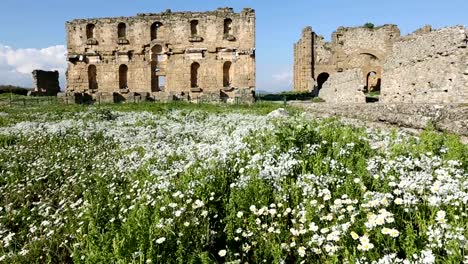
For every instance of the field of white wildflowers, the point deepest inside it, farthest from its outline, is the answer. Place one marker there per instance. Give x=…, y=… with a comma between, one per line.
x=194, y=186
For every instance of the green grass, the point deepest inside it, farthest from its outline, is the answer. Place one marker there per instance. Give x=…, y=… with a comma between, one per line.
x=259, y=108
x=105, y=186
x=62, y=111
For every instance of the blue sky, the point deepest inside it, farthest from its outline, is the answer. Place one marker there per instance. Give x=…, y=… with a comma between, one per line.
x=32, y=32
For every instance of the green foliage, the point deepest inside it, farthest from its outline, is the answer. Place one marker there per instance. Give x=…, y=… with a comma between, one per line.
x=288, y=96
x=115, y=198
x=6, y=89
x=369, y=25
x=317, y=100
x=373, y=93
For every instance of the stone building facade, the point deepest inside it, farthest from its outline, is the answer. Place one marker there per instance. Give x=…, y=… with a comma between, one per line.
x=163, y=56
x=427, y=66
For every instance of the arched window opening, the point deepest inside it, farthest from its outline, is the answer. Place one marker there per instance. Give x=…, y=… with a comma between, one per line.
x=227, y=74
x=92, y=77
x=122, y=30
x=156, y=53
x=194, y=74
x=227, y=26
x=155, y=30
x=372, y=89
x=194, y=27
x=90, y=31
x=123, y=72
x=321, y=79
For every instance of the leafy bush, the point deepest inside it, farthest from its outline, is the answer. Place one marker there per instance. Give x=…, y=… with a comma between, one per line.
x=288, y=96
x=369, y=25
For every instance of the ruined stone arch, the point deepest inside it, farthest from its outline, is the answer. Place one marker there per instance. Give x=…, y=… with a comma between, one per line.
x=122, y=31
x=92, y=77
x=194, y=27
x=228, y=26
x=155, y=30
x=373, y=81
x=194, y=72
x=361, y=60
x=123, y=76
x=90, y=31
x=227, y=75
x=321, y=79
x=375, y=53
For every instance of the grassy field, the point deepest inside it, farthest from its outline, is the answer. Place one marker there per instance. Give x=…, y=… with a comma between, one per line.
x=186, y=183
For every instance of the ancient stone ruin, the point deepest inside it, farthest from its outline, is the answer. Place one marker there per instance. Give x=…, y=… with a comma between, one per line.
x=427, y=66
x=185, y=55
x=45, y=83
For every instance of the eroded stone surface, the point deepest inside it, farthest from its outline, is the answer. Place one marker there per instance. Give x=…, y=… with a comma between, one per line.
x=445, y=117
x=344, y=86
x=188, y=55
x=351, y=48
x=278, y=113
x=427, y=66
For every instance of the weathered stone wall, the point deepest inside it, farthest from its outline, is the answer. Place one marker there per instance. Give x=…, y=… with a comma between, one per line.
x=322, y=51
x=45, y=83
x=452, y=118
x=344, y=87
x=163, y=46
x=428, y=67
x=303, y=62
x=351, y=48
x=424, y=67
x=357, y=40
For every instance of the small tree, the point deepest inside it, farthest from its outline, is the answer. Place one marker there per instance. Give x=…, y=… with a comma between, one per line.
x=369, y=25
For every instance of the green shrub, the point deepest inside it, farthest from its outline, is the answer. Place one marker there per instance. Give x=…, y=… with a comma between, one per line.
x=369, y=25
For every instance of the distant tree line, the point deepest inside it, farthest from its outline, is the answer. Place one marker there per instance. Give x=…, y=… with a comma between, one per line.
x=14, y=89
x=288, y=96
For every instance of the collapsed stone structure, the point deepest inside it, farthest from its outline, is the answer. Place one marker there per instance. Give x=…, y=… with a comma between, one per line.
x=45, y=83
x=163, y=56
x=427, y=66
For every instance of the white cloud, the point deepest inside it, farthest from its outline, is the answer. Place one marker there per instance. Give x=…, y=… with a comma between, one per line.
x=280, y=80
x=285, y=77
x=16, y=65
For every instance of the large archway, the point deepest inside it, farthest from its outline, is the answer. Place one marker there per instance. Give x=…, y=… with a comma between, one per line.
x=227, y=26
x=157, y=80
x=372, y=88
x=155, y=30
x=92, y=77
x=90, y=31
x=194, y=27
x=321, y=79
x=123, y=72
x=194, y=75
x=227, y=74
x=122, y=30
x=373, y=82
